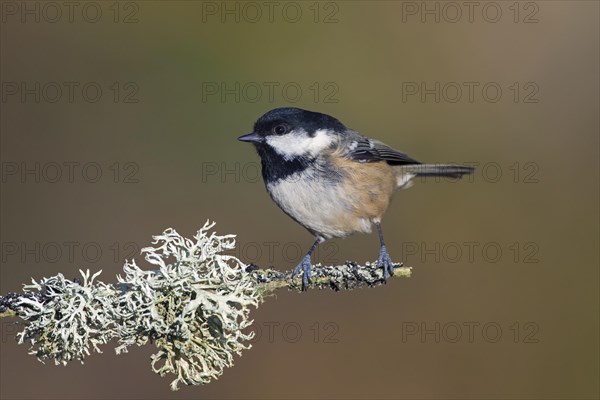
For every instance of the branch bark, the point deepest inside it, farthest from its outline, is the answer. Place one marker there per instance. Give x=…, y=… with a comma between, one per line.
x=346, y=276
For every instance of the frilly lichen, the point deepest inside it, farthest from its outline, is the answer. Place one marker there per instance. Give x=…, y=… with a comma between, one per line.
x=194, y=309
x=71, y=316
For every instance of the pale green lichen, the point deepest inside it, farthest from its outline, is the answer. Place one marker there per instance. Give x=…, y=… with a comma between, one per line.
x=194, y=309
x=69, y=317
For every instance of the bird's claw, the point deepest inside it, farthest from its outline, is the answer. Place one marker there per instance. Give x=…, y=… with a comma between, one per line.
x=304, y=265
x=385, y=261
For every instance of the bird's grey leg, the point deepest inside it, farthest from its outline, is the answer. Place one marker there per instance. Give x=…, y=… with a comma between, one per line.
x=304, y=265
x=384, y=260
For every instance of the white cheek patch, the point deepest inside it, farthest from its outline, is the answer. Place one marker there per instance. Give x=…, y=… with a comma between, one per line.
x=300, y=143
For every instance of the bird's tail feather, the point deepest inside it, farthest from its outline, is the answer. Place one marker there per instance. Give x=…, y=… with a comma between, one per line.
x=445, y=170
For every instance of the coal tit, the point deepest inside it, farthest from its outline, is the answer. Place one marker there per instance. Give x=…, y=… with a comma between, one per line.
x=330, y=179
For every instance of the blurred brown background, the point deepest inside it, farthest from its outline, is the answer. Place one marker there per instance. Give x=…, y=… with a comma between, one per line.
x=503, y=302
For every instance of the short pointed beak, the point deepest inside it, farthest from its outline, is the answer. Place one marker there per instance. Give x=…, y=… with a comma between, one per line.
x=251, y=137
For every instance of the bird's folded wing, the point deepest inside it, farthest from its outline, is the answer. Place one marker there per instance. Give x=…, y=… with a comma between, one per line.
x=363, y=149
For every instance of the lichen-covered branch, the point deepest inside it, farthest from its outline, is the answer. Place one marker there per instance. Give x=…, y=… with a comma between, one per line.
x=194, y=308
x=345, y=276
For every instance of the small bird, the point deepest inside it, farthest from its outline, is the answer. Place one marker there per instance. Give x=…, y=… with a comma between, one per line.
x=332, y=180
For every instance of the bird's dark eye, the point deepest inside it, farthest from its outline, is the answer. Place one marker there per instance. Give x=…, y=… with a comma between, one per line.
x=280, y=129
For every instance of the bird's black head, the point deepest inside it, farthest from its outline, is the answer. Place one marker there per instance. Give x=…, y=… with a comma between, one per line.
x=294, y=131
x=289, y=139
x=285, y=120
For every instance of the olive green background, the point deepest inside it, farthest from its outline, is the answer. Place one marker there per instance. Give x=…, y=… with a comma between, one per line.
x=176, y=134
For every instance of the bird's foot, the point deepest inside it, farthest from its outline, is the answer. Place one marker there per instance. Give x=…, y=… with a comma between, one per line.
x=385, y=261
x=303, y=266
